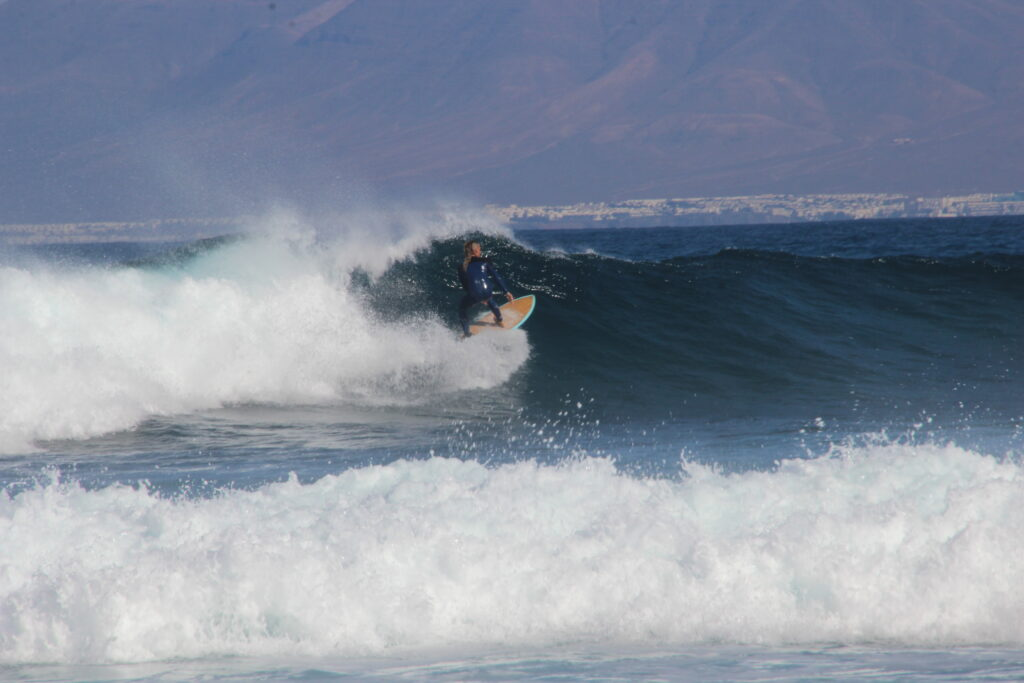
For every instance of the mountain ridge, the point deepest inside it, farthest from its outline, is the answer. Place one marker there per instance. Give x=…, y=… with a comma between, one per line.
x=113, y=109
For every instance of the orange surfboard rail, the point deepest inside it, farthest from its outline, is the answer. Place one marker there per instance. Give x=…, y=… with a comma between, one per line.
x=513, y=314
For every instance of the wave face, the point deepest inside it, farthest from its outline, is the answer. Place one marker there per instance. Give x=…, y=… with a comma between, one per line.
x=877, y=544
x=751, y=332
x=659, y=326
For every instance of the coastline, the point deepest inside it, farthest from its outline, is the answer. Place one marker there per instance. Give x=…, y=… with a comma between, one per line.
x=632, y=213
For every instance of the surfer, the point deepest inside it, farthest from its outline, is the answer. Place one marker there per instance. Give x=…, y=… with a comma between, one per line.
x=475, y=274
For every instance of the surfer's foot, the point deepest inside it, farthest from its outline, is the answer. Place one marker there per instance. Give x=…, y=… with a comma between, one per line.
x=499, y=322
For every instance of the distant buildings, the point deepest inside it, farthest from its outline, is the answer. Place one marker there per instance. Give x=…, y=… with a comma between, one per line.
x=766, y=208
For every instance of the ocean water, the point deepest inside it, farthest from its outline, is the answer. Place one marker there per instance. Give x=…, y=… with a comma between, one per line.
x=753, y=453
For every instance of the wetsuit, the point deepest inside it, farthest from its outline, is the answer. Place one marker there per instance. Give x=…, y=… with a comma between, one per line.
x=475, y=277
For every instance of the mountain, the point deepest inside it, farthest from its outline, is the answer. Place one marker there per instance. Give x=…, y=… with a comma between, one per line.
x=123, y=109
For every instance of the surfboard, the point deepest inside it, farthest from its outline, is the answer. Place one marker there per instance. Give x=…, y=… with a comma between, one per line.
x=513, y=314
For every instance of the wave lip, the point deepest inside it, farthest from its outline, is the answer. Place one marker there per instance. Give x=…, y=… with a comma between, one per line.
x=891, y=543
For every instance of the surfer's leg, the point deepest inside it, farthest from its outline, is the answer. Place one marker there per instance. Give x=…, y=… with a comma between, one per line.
x=464, y=306
x=495, y=309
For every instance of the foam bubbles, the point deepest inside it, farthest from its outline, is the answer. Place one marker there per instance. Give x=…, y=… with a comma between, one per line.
x=906, y=545
x=271, y=319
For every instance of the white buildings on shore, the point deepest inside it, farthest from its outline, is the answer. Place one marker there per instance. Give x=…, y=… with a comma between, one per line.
x=767, y=208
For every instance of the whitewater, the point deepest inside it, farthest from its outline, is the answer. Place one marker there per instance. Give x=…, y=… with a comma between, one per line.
x=270, y=456
x=272, y=319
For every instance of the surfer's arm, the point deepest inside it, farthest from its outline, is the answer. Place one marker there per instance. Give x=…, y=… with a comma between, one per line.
x=493, y=272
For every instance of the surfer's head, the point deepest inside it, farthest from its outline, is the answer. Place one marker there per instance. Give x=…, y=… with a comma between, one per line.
x=471, y=249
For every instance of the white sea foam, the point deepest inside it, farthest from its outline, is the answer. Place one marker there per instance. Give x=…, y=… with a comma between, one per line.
x=271, y=318
x=906, y=545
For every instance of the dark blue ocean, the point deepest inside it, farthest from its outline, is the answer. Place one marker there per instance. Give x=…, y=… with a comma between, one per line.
x=727, y=453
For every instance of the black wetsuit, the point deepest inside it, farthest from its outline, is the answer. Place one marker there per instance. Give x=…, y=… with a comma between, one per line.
x=475, y=277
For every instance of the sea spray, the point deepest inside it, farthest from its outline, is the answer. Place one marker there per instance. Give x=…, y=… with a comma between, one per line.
x=270, y=318
x=911, y=544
